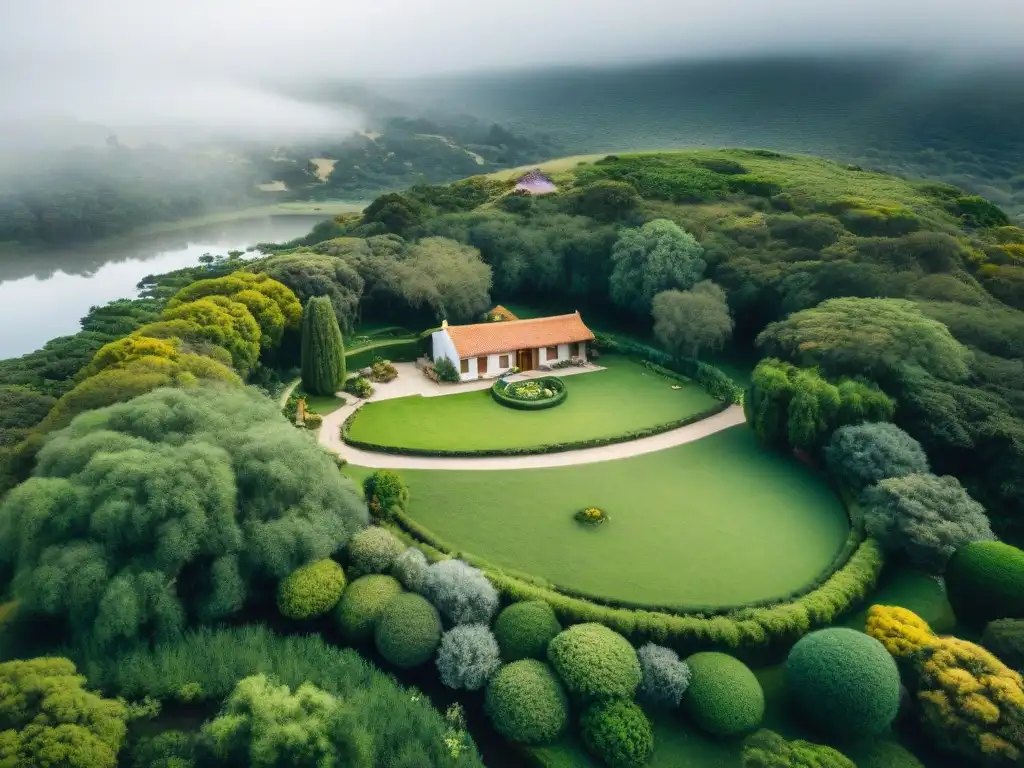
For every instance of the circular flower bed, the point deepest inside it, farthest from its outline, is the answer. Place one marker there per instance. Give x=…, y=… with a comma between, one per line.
x=591, y=516
x=530, y=395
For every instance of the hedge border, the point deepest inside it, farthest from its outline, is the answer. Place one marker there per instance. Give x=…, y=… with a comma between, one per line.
x=560, y=393
x=625, y=437
x=839, y=590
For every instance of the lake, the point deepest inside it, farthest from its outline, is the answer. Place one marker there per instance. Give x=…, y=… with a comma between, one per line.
x=44, y=294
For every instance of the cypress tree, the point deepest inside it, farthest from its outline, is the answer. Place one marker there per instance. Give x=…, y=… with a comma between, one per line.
x=323, y=351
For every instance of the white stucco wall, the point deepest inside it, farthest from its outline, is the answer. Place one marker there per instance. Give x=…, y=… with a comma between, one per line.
x=563, y=354
x=443, y=347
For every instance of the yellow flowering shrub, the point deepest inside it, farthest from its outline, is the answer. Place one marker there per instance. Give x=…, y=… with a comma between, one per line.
x=971, y=702
x=902, y=632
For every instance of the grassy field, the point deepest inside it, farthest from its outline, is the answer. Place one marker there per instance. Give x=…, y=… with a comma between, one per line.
x=678, y=744
x=600, y=404
x=323, y=404
x=712, y=523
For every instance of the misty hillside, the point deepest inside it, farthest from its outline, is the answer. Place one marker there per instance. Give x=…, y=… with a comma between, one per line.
x=903, y=115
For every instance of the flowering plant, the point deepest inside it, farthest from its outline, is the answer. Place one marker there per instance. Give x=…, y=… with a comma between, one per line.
x=591, y=516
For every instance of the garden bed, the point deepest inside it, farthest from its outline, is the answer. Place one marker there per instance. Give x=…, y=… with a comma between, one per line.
x=530, y=395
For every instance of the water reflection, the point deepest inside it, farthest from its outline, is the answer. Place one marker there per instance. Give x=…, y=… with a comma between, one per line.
x=45, y=294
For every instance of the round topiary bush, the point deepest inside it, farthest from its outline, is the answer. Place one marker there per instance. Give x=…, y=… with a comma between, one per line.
x=525, y=629
x=373, y=550
x=362, y=604
x=844, y=682
x=985, y=581
x=311, y=590
x=468, y=656
x=408, y=631
x=724, y=697
x=410, y=568
x=461, y=592
x=618, y=733
x=664, y=677
x=594, y=662
x=526, y=703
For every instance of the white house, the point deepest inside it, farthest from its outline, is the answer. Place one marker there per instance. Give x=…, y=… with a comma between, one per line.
x=486, y=350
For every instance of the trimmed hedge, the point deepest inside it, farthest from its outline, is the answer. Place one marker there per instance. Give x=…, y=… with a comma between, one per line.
x=844, y=683
x=758, y=627
x=526, y=703
x=311, y=590
x=362, y=604
x=530, y=450
x=373, y=550
x=724, y=697
x=525, y=629
x=498, y=392
x=397, y=351
x=408, y=631
x=985, y=581
x=618, y=732
x=594, y=662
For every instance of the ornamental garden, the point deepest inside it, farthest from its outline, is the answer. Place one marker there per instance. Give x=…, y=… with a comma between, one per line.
x=562, y=548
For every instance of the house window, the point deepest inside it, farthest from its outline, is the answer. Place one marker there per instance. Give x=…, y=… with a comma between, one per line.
x=551, y=353
x=574, y=349
x=464, y=366
x=503, y=361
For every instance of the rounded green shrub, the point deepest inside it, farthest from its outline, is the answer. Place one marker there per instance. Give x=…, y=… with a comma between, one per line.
x=724, y=697
x=385, y=493
x=843, y=682
x=311, y=590
x=408, y=631
x=618, y=732
x=1005, y=638
x=594, y=662
x=985, y=581
x=362, y=604
x=526, y=703
x=525, y=629
x=374, y=550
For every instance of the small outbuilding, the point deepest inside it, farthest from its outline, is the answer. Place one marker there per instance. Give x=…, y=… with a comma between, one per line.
x=535, y=183
x=486, y=350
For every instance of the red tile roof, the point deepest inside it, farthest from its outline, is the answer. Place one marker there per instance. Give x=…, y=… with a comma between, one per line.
x=511, y=335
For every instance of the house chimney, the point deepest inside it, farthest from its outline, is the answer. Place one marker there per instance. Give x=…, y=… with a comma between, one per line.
x=444, y=324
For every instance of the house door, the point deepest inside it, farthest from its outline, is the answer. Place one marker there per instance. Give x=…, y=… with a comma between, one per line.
x=524, y=359
x=481, y=366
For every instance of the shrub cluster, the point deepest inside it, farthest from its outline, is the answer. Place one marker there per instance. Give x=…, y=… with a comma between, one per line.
x=985, y=581
x=204, y=667
x=724, y=697
x=618, y=732
x=525, y=629
x=664, y=677
x=373, y=550
x=514, y=396
x=410, y=568
x=446, y=370
x=526, y=703
x=861, y=455
x=384, y=491
x=461, y=592
x=844, y=682
x=311, y=590
x=468, y=656
x=594, y=662
x=901, y=632
x=408, y=631
x=362, y=604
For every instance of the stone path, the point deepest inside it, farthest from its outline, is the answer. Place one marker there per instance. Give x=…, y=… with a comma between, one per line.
x=416, y=383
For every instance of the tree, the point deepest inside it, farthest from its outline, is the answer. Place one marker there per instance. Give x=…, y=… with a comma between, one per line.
x=174, y=507
x=660, y=256
x=49, y=720
x=924, y=517
x=310, y=274
x=323, y=351
x=860, y=455
x=223, y=322
x=266, y=725
x=689, y=322
x=871, y=337
x=395, y=212
x=608, y=200
x=446, y=277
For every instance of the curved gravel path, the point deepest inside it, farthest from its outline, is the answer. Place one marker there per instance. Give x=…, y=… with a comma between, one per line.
x=330, y=437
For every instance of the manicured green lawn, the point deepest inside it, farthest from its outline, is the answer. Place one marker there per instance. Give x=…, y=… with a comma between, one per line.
x=323, y=404
x=678, y=744
x=716, y=522
x=623, y=398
